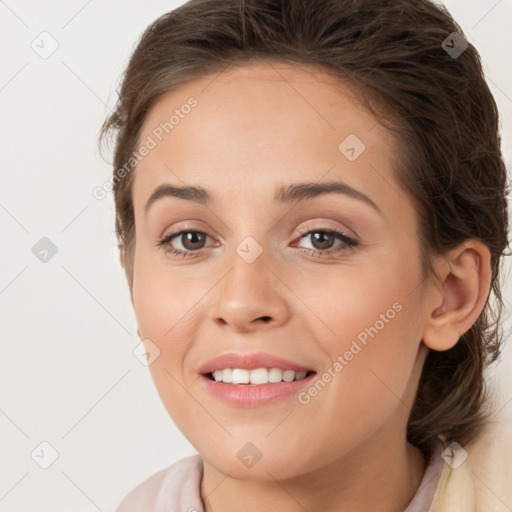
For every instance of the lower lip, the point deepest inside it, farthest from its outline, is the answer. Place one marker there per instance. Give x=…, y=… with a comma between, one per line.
x=247, y=395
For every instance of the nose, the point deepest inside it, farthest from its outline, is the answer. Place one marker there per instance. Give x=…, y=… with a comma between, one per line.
x=250, y=297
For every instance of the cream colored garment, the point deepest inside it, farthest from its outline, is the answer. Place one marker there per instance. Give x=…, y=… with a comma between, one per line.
x=483, y=482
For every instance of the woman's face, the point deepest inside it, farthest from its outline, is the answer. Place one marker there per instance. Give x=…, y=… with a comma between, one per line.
x=264, y=274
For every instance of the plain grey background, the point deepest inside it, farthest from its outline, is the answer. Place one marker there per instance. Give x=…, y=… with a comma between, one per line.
x=69, y=378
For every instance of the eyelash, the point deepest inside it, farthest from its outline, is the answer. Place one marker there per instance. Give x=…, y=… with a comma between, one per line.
x=347, y=245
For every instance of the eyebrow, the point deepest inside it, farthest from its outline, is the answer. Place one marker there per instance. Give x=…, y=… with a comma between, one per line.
x=294, y=192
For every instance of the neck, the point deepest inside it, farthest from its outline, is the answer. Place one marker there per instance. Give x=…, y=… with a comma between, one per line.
x=382, y=480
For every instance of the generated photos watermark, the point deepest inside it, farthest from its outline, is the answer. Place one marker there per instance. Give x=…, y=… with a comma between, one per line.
x=342, y=360
x=158, y=133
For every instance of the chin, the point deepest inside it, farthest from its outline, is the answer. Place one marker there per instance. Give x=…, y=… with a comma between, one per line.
x=248, y=463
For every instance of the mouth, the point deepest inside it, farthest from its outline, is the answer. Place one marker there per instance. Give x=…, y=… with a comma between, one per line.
x=257, y=376
x=253, y=379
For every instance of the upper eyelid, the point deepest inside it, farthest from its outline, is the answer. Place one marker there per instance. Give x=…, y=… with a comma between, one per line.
x=308, y=229
x=322, y=227
x=303, y=231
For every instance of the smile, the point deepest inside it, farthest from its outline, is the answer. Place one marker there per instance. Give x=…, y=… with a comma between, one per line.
x=257, y=377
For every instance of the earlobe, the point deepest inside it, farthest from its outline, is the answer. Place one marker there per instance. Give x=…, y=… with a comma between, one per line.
x=441, y=337
x=465, y=276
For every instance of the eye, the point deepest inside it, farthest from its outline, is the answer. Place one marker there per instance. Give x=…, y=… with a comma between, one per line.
x=191, y=241
x=323, y=240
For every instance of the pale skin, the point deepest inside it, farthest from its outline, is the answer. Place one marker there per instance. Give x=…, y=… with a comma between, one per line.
x=253, y=130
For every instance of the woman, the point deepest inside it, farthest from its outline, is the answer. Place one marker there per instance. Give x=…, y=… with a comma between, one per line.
x=311, y=212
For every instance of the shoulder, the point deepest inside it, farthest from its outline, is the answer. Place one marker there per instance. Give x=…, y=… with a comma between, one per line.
x=491, y=465
x=174, y=488
x=476, y=477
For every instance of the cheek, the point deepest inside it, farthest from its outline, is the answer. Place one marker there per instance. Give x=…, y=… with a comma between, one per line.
x=364, y=386
x=373, y=337
x=357, y=304
x=163, y=296
x=166, y=312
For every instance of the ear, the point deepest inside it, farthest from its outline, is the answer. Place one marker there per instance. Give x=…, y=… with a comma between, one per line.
x=460, y=296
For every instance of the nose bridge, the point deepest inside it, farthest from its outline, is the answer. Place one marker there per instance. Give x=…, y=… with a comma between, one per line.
x=249, y=293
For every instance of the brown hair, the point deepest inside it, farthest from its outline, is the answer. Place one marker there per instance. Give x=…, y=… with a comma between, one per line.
x=438, y=105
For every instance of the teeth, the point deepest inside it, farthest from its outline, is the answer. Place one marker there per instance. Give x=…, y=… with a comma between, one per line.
x=275, y=375
x=240, y=376
x=256, y=376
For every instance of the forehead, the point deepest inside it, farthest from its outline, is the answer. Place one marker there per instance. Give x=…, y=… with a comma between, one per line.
x=262, y=123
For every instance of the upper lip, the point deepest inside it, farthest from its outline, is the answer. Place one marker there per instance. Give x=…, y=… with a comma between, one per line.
x=250, y=361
